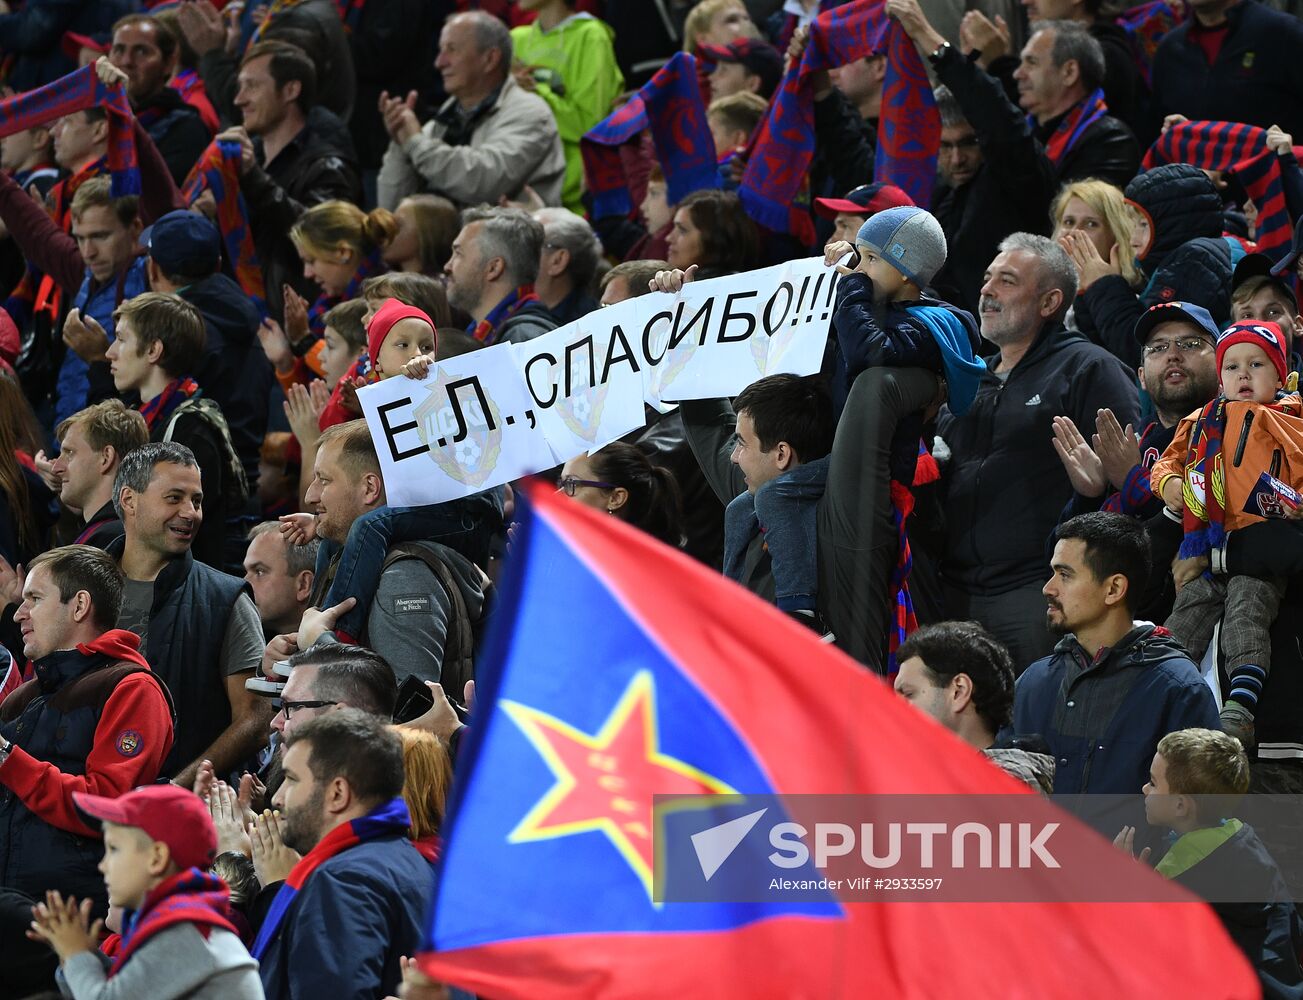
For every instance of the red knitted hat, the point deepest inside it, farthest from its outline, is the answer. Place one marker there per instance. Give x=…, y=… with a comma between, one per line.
x=385, y=318
x=1264, y=334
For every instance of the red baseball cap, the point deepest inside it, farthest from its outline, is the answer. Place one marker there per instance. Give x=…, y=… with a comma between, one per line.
x=173, y=815
x=385, y=318
x=73, y=43
x=864, y=200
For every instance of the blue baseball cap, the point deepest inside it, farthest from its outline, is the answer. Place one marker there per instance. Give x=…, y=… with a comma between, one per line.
x=184, y=243
x=1169, y=312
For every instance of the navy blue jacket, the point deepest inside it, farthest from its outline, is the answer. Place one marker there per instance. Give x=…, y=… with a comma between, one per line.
x=1257, y=78
x=1103, y=719
x=355, y=916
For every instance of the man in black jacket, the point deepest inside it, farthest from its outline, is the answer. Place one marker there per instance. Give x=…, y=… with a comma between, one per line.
x=185, y=254
x=1232, y=61
x=1060, y=80
x=1002, y=454
x=147, y=52
x=296, y=155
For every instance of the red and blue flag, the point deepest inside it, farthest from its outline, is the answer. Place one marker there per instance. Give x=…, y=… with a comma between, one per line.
x=621, y=670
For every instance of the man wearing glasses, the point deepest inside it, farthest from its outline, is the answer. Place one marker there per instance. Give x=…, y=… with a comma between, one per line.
x=334, y=676
x=1178, y=369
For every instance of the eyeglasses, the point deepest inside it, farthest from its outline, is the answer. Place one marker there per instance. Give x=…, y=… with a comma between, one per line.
x=290, y=707
x=568, y=485
x=1186, y=345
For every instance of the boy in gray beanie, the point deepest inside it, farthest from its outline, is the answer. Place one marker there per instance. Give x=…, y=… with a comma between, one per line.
x=882, y=319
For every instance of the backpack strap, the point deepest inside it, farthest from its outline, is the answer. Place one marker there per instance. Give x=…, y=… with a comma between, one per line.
x=458, y=664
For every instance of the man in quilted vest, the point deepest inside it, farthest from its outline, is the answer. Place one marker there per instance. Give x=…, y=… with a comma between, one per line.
x=92, y=717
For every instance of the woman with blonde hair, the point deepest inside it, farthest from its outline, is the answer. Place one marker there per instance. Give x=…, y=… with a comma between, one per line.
x=427, y=771
x=1095, y=224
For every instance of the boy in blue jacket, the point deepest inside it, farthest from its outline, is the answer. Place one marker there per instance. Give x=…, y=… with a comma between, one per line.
x=881, y=319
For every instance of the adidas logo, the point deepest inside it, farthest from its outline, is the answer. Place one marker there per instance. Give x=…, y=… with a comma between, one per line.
x=1034, y=401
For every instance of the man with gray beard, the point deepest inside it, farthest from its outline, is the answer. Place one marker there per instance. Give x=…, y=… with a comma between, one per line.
x=491, y=275
x=1004, y=485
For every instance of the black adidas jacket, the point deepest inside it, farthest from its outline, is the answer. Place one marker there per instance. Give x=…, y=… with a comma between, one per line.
x=1004, y=486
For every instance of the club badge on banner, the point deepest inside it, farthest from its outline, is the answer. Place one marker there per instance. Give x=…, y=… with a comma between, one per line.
x=491, y=416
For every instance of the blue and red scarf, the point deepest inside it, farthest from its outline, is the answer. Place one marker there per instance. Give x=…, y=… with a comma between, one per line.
x=1204, y=518
x=157, y=410
x=903, y=619
x=387, y=820
x=190, y=86
x=76, y=92
x=1073, y=125
x=909, y=131
x=1242, y=150
x=485, y=330
x=372, y=263
x=190, y=897
x=218, y=170
x=1147, y=25
x=670, y=105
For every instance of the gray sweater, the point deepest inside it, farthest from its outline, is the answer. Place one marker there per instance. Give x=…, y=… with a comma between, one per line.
x=178, y=962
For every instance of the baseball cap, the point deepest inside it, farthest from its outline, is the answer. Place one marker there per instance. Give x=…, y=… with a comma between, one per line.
x=1259, y=265
x=73, y=43
x=757, y=55
x=866, y=199
x=183, y=242
x=1295, y=249
x=175, y=816
x=1169, y=312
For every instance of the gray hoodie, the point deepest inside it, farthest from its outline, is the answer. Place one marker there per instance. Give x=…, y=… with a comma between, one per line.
x=178, y=962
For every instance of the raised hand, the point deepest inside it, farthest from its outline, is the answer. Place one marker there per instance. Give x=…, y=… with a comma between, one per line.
x=298, y=529
x=276, y=345
x=272, y=860
x=85, y=336
x=296, y=314
x=1087, y=260
x=1084, y=469
x=201, y=23
x=989, y=40
x=228, y=818
x=64, y=925
x=11, y=582
x=1118, y=448
x=672, y=280
x=419, y=366
x=304, y=415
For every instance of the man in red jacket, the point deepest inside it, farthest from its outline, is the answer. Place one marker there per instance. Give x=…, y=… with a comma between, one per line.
x=92, y=718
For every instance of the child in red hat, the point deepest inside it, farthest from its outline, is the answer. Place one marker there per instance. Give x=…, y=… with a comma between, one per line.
x=178, y=939
x=1208, y=477
x=401, y=339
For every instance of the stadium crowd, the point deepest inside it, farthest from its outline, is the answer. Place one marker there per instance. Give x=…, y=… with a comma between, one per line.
x=1047, y=482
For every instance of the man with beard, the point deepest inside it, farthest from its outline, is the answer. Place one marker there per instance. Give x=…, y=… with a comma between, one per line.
x=1002, y=452
x=1178, y=369
x=357, y=901
x=491, y=275
x=1111, y=689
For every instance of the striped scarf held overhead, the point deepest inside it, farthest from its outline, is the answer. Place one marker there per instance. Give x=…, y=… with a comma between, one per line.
x=218, y=170
x=388, y=820
x=190, y=897
x=79, y=91
x=670, y=105
x=1073, y=125
x=1241, y=150
x=350, y=13
x=909, y=132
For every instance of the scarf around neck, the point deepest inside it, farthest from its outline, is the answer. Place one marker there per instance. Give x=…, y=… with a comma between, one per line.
x=158, y=409
x=1073, y=125
x=189, y=897
x=486, y=329
x=387, y=820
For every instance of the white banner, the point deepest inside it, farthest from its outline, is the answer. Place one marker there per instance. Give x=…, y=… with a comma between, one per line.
x=485, y=418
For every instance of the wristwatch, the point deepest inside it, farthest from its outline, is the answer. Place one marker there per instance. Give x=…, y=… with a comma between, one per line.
x=935, y=56
x=5, y=751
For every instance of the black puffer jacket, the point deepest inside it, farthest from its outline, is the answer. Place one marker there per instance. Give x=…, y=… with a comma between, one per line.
x=1188, y=261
